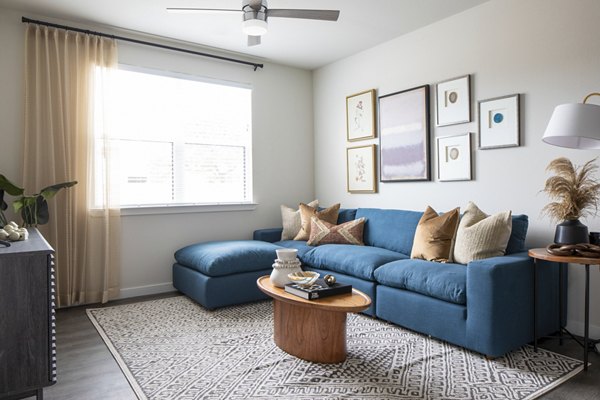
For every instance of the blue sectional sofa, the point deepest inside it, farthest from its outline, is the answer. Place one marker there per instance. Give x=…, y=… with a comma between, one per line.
x=485, y=306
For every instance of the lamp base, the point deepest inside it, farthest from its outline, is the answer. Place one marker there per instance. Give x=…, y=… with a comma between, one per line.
x=571, y=232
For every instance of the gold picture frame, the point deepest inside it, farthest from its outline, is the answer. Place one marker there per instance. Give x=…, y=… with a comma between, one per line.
x=361, y=176
x=360, y=116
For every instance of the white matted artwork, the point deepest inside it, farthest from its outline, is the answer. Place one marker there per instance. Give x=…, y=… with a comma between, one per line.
x=454, y=157
x=360, y=115
x=453, y=101
x=499, y=122
x=360, y=167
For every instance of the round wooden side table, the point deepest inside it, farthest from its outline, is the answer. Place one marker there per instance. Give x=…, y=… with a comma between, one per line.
x=313, y=330
x=542, y=254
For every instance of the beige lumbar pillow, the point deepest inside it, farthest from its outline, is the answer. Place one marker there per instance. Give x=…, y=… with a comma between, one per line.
x=434, y=235
x=291, y=220
x=481, y=236
x=307, y=212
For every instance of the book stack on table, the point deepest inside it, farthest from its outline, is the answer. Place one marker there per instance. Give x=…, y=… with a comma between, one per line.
x=318, y=290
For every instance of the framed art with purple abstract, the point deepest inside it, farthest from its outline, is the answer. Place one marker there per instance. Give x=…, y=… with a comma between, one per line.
x=360, y=167
x=404, y=135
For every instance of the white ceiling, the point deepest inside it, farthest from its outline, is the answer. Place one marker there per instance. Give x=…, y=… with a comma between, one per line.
x=302, y=43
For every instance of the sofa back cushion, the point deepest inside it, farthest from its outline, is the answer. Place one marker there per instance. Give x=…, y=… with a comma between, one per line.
x=516, y=242
x=390, y=229
x=345, y=215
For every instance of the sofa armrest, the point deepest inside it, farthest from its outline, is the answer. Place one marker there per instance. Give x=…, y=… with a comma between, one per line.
x=500, y=302
x=271, y=235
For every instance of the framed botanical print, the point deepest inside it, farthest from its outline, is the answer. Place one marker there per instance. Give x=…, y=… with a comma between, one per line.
x=453, y=101
x=454, y=157
x=404, y=135
x=499, y=122
x=360, y=116
x=360, y=167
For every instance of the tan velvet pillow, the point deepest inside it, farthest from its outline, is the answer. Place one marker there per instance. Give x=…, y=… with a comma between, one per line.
x=307, y=212
x=435, y=235
x=481, y=236
x=291, y=220
x=322, y=232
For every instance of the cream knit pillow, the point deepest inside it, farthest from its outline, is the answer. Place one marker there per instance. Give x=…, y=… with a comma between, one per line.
x=292, y=221
x=481, y=236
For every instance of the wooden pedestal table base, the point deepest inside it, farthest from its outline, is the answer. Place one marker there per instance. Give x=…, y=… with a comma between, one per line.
x=313, y=330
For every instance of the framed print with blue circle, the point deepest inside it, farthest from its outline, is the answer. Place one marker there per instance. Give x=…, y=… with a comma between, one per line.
x=499, y=122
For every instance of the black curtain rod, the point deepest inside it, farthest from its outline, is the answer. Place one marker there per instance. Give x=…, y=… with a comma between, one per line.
x=126, y=39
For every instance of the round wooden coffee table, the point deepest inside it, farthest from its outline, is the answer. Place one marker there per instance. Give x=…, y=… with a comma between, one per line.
x=314, y=330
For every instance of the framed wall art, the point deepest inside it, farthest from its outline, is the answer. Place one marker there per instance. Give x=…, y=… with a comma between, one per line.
x=454, y=158
x=404, y=135
x=453, y=101
x=360, y=167
x=499, y=122
x=360, y=115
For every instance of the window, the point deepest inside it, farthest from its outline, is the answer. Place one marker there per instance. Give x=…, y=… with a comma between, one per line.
x=178, y=140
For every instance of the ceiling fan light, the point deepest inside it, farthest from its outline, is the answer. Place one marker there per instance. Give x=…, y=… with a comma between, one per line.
x=254, y=27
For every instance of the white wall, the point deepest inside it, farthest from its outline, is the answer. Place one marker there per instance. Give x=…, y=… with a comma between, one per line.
x=547, y=50
x=282, y=153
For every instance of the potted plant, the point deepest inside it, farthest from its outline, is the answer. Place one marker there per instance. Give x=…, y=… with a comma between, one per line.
x=33, y=208
x=576, y=192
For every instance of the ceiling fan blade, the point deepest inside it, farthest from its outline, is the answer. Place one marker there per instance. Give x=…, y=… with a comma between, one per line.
x=200, y=10
x=253, y=40
x=323, y=15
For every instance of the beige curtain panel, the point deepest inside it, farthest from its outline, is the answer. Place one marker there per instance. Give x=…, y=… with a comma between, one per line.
x=66, y=78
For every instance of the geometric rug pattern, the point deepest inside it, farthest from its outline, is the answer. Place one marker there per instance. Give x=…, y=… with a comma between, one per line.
x=174, y=348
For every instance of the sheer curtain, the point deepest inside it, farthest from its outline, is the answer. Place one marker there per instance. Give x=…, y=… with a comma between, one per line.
x=67, y=77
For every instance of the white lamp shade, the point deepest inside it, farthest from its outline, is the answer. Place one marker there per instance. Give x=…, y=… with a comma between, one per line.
x=254, y=27
x=576, y=126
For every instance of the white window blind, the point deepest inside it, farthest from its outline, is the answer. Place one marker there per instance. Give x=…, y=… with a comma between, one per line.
x=179, y=140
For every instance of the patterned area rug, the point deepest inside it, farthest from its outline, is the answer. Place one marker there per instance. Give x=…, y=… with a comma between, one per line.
x=175, y=349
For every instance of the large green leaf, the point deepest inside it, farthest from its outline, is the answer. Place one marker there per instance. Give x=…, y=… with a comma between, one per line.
x=10, y=187
x=3, y=204
x=50, y=191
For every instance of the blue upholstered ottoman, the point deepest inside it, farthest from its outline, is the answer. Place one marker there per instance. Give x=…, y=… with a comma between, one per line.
x=224, y=273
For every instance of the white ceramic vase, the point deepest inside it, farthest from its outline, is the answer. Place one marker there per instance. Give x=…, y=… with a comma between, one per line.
x=285, y=264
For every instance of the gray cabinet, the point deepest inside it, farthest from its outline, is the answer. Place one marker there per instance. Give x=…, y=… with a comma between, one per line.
x=27, y=318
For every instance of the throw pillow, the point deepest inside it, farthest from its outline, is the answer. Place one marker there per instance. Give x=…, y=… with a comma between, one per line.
x=292, y=221
x=434, y=235
x=481, y=236
x=307, y=212
x=322, y=232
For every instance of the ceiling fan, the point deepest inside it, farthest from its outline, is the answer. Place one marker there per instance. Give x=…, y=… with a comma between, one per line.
x=256, y=13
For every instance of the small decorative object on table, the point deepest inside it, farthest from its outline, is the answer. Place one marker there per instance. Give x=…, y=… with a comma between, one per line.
x=304, y=279
x=574, y=250
x=12, y=232
x=286, y=263
x=577, y=193
x=329, y=280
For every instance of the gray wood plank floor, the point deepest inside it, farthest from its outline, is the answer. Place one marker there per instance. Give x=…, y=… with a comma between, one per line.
x=87, y=370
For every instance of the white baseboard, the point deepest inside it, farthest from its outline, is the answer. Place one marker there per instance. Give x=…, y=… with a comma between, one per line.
x=577, y=328
x=146, y=290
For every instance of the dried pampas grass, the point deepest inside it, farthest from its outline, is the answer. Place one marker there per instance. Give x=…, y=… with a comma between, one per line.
x=575, y=189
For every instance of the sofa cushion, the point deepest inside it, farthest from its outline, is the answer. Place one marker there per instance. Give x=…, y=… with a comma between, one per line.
x=358, y=261
x=329, y=214
x=435, y=235
x=322, y=232
x=227, y=257
x=291, y=221
x=390, y=229
x=516, y=243
x=446, y=281
x=299, y=245
x=481, y=236
x=345, y=215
